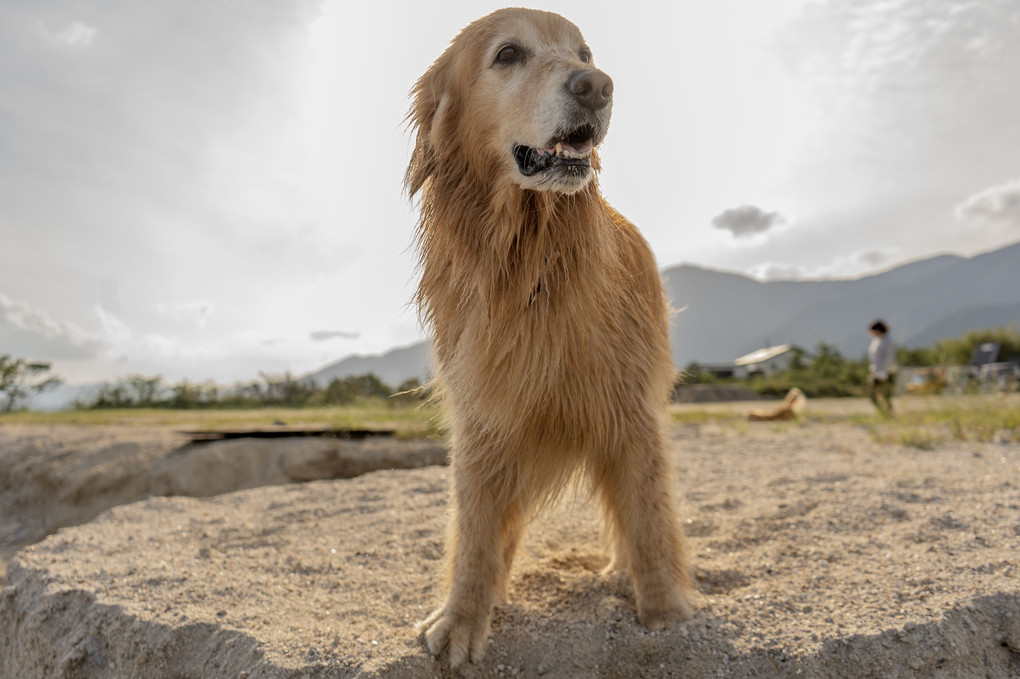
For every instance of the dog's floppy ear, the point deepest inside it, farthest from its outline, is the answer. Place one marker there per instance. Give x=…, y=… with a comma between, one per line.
x=433, y=114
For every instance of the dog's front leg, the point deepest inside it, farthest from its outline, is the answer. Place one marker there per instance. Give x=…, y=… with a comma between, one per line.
x=635, y=484
x=485, y=510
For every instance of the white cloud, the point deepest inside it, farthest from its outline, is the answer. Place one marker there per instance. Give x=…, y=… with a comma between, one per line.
x=914, y=109
x=858, y=263
x=323, y=335
x=77, y=34
x=747, y=220
x=196, y=312
x=28, y=331
x=996, y=205
x=117, y=333
x=226, y=161
x=777, y=271
x=872, y=258
x=128, y=345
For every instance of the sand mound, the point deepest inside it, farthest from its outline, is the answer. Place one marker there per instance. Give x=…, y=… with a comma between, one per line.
x=817, y=552
x=52, y=477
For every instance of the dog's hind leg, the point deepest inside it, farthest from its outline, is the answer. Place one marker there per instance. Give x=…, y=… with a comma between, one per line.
x=615, y=542
x=635, y=485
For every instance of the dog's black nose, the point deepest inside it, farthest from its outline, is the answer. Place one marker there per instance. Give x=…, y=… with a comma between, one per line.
x=592, y=89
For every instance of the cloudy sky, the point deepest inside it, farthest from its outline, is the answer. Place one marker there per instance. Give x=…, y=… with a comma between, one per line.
x=207, y=189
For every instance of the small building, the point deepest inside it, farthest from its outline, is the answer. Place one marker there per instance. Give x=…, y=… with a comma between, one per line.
x=718, y=370
x=764, y=362
x=985, y=353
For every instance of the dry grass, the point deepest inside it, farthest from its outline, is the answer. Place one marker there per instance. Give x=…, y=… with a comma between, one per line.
x=407, y=419
x=920, y=422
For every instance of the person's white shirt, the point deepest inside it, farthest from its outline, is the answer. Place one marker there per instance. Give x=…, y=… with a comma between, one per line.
x=882, y=357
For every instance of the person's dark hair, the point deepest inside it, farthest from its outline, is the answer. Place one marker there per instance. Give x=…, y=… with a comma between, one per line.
x=879, y=326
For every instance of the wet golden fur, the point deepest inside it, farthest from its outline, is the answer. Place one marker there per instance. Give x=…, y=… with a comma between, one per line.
x=550, y=330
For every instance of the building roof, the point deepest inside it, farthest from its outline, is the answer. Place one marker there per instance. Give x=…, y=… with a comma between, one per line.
x=762, y=355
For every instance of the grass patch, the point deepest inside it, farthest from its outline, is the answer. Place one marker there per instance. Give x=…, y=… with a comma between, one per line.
x=696, y=416
x=979, y=420
x=921, y=439
x=784, y=426
x=409, y=420
x=977, y=424
x=921, y=423
x=736, y=421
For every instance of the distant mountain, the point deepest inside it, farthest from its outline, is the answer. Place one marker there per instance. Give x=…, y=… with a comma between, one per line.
x=971, y=318
x=392, y=367
x=726, y=315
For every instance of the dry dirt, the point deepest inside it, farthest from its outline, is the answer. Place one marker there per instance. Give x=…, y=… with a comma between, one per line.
x=818, y=553
x=57, y=476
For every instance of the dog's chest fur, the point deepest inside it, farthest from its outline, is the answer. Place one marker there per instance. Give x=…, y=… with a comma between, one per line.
x=541, y=329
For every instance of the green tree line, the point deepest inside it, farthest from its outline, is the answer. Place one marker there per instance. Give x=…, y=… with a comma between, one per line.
x=140, y=391
x=827, y=373
x=822, y=373
x=959, y=350
x=20, y=379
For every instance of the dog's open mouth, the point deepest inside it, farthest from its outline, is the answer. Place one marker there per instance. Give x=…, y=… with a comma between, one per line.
x=571, y=150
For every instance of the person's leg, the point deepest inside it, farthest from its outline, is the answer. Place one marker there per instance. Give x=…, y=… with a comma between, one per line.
x=887, y=393
x=873, y=391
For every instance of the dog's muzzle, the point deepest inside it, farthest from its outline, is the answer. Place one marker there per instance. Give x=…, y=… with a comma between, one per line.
x=570, y=150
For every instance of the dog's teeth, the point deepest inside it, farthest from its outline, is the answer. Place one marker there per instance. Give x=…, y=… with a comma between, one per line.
x=559, y=148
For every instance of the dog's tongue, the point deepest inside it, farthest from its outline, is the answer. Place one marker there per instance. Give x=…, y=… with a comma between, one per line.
x=583, y=147
x=562, y=146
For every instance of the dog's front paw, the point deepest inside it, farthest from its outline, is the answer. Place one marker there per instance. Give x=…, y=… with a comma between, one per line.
x=463, y=637
x=660, y=615
x=618, y=567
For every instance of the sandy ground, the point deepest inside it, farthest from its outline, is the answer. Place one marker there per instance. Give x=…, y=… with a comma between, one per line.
x=818, y=553
x=56, y=476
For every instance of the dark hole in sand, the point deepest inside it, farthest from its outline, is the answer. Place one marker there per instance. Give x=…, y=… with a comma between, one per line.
x=277, y=432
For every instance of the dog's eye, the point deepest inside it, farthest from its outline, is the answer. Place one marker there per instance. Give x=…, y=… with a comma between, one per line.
x=585, y=55
x=508, y=54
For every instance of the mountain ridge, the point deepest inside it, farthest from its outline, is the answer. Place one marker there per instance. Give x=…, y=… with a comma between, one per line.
x=730, y=318
x=721, y=315
x=724, y=314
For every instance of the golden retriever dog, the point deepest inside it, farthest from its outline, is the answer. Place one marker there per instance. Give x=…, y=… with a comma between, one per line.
x=548, y=317
x=790, y=409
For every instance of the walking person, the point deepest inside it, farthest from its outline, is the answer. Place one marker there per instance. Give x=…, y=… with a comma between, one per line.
x=881, y=367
